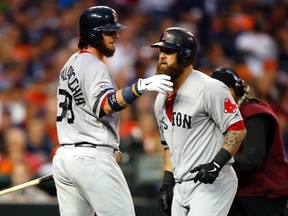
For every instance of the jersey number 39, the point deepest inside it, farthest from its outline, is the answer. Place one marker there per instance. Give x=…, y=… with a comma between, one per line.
x=66, y=107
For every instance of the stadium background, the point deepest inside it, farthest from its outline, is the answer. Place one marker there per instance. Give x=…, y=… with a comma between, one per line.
x=37, y=37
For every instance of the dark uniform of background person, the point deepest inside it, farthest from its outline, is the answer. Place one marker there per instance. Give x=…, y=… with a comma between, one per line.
x=260, y=162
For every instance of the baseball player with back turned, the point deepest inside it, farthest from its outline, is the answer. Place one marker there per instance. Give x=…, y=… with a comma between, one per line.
x=88, y=179
x=201, y=129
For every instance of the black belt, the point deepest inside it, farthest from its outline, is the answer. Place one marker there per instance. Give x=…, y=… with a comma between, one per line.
x=85, y=145
x=88, y=145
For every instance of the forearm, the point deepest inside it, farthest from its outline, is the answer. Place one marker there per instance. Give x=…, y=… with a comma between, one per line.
x=167, y=160
x=168, y=178
x=233, y=140
x=120, y=99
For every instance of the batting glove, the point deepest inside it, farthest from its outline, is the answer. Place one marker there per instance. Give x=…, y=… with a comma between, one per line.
x=207, y=173
x=159, y=83
x=165, y=202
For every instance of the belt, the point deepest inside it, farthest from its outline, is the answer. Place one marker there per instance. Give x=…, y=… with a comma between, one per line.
x=86, y=145
x=90, y=145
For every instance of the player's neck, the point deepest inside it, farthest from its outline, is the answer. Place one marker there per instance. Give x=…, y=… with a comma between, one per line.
x=179, y=82
x=95, y=52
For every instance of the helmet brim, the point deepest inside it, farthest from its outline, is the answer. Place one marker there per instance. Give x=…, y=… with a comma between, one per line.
x=165, y=45
x=113, y=27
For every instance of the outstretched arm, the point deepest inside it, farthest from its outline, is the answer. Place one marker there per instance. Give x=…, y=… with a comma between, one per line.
x=116, y=101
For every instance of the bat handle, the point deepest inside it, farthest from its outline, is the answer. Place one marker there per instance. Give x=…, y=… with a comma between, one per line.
x=46, y=178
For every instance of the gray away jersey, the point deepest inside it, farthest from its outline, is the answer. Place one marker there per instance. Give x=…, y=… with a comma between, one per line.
x=84, y=82
x=203, y=109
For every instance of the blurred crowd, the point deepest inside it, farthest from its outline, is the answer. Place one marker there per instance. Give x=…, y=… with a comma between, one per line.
x=37, y=37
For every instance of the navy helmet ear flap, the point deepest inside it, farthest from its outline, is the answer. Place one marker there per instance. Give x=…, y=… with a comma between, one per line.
x=240, y=87
x=185, y=57
x=94, y=38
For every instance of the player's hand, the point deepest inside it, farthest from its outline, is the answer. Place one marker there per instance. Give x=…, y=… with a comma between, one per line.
x=159, y=83
x=207, y=173
x=165, y=202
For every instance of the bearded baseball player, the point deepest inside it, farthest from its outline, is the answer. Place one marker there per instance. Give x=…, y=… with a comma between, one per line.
x=201, y=129
x=88, y=178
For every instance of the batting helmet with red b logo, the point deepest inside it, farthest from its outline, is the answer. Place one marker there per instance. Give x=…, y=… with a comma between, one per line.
x=181, y=40
x=95, y=20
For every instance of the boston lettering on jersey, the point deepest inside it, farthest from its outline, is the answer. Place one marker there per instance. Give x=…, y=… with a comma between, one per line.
x=73, y=84
x=179, y=120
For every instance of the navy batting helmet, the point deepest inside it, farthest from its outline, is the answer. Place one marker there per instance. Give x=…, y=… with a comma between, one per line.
x=182, y=40
x=230, y=78
x=95, y=20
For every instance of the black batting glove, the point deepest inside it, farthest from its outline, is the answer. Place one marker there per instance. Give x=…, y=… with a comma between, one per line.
x=166, y=193
x=165, y=201
x=207, y=173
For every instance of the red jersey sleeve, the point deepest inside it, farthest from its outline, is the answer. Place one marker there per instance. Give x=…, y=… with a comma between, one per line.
x=237, y=126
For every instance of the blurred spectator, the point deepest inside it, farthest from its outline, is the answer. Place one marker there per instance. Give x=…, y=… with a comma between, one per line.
x=5, y=124
x=282, y=38
x=15, y=152
x=157, y=9
x=125, y=54
x=130, y=133
x=12, y=102
x=22, y=174
x=254, y=46
x=49, y=122
x=215, y=56
x=149, y=133
x=265, y=85
x=38, y=141
x=281, y=110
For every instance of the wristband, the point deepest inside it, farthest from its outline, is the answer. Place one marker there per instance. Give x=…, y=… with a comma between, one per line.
x=135, y=90
x=129, y=94
x=114, y=103
x=222, y=157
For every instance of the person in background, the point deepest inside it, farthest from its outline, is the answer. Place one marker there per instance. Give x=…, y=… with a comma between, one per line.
x=15, y=142
x=260, y=162
x=21, y=174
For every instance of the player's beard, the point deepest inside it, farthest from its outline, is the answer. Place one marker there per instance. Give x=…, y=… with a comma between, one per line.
x=106, y=51
x=174, y=70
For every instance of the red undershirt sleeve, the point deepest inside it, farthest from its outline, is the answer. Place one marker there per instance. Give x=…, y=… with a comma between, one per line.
x=237, y=126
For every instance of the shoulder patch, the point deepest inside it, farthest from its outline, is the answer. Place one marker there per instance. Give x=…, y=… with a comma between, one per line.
x=229, y=107
x=101, y=88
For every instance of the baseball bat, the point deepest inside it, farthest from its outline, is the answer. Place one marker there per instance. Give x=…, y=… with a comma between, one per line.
x=34, y=182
